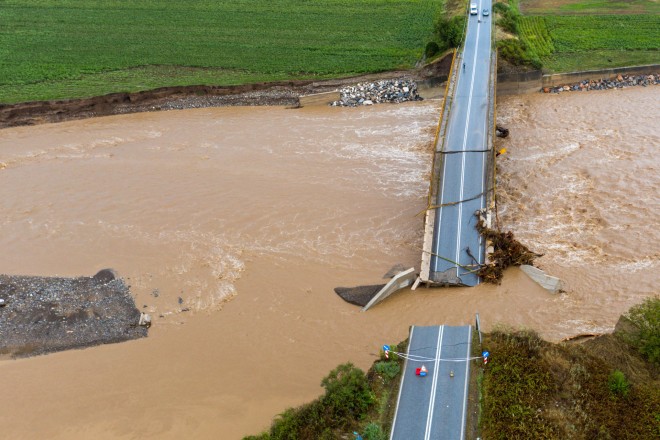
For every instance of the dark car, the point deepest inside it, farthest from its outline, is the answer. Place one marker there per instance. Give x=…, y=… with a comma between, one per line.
x=485, y=12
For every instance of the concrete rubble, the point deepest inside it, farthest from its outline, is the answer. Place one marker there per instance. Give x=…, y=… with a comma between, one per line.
x=620, y=82
x=369, y=93
x=548, y=282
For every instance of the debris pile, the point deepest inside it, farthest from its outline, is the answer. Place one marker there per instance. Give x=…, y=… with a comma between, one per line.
x=392, y=90
x=506, y=252
x=501, y=131
x=46, y=314
x=619, y=82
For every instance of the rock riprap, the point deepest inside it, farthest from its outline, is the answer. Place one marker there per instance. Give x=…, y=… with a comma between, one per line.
x=619, y=82
x=46, y=314
x=392, y=90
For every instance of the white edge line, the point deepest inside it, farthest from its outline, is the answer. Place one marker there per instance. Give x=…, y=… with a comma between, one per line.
x=436, y=250
x=483, y=160
x=403, y=377
x=467, y=375
x=436, y=374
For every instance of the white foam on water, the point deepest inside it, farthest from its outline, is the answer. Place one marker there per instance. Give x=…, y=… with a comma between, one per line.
x=643, y=264
x=584, y=196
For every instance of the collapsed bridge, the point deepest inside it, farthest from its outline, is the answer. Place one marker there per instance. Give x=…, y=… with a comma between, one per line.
x=462, y=181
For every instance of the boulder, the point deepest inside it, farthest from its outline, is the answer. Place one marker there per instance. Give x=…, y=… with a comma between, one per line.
x=104, y=276
x=145, y=320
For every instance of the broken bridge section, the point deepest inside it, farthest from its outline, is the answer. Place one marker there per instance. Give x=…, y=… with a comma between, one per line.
x=463, y=175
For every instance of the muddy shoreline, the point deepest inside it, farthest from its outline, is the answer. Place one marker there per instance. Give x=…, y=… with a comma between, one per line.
x=284, y=93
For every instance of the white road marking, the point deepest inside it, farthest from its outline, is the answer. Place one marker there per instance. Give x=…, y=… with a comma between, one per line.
x=465, y=386
x=465, y=134
x=436, y=371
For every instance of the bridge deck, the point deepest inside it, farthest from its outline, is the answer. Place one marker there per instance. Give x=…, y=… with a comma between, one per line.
x=457, y=247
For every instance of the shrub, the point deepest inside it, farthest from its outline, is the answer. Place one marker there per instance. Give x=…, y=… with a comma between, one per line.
x=645, y=317
x=388, y=369
x=373, y=431
x=618, y=383
x=513, y=50
x=432, y=49
x=347, y=392
x=500, y=7
x=263, y=436
x=286, y=425
x=517, y=53
x=450, y=30
x=509, y=16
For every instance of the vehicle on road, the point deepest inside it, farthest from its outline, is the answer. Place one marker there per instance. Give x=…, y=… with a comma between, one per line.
x=473, y=9
x=485, y=12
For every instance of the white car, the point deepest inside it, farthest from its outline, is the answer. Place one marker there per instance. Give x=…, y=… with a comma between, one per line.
x=473, y=9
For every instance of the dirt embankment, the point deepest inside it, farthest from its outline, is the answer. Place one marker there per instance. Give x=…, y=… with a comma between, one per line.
x=171, y=98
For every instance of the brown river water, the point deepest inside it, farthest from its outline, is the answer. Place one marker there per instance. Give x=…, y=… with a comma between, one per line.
x=247, y=218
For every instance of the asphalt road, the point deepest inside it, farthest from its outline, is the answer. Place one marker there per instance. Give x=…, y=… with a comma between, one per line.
x=435, y=406
x=463, y=175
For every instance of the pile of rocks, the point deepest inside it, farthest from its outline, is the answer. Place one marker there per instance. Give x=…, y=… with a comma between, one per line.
x=393, y=90
x=619, y=82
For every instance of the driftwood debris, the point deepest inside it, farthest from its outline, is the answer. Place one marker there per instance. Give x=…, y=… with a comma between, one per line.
x=501, y=131
x=507, y=251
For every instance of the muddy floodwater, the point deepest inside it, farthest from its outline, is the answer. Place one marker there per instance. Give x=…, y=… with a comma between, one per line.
x=233, y=225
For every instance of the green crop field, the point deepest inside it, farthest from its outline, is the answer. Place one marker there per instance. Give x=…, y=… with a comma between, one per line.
x=589, y=7
x=567, y=43
x=534, y=32
x=52, y=49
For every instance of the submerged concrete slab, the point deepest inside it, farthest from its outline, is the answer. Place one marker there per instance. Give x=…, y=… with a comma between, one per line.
x=400, y=281
x=550, y=283
x=324, y=98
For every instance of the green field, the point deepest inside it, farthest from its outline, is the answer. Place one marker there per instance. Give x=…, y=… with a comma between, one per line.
x=567, y=43
x=53, y=49
x=556, y=41
x=590, y=7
